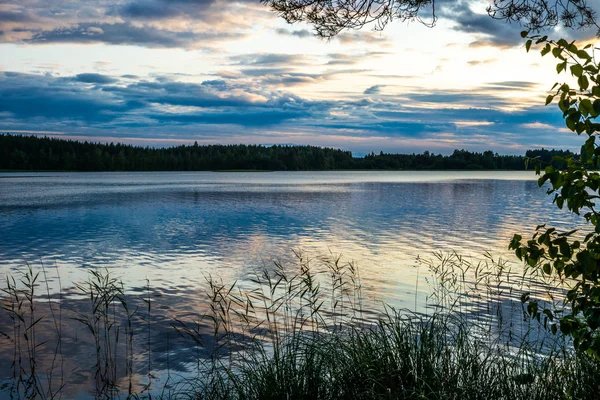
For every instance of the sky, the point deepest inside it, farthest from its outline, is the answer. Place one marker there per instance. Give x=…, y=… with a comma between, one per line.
x=170, y=72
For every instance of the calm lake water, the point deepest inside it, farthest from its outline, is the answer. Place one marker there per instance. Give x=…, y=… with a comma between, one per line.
x=172, y=228
x=175, y=228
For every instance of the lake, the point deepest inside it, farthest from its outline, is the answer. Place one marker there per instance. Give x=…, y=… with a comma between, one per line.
x=167, y=232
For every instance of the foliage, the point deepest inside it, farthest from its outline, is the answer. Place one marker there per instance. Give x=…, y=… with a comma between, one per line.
x=459, y=160
x=35, y=153
x=410, y=357
x=573, y=256
x=329, y=18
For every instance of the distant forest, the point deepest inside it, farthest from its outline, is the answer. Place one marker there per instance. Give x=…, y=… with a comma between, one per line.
x=19, y=152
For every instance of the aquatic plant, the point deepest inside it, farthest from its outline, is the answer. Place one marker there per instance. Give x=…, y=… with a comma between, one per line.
x=304, y=330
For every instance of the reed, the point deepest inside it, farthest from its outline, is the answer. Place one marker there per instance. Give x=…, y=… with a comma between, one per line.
x=305, y=330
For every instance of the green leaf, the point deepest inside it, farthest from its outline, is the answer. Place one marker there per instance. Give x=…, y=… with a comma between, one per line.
x=556, y=52
x=546, y=268
x=549, y=99
x=586, y=108
x=583, y=82
x=528, y=45
x=571, y=123
x=583, y=54
x=546, y=50
x=576, y=70
x=596, y=106
x=524, y=34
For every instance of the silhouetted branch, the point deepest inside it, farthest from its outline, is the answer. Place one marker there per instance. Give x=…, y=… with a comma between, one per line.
x=536, y=15
x=330, y=17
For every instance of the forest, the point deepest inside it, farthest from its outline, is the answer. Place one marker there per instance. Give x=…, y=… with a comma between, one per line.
x=33, y=153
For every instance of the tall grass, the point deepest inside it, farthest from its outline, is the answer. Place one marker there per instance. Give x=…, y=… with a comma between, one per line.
x=465, y=348
x=306, y=330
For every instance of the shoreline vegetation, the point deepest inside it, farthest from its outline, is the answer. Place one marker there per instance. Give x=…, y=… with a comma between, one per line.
x=301, y=331
x=31, y=153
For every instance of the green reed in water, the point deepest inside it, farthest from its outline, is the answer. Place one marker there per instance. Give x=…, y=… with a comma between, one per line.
x=306, y=331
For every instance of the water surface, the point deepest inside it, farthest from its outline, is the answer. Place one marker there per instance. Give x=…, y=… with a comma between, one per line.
x=174, y=229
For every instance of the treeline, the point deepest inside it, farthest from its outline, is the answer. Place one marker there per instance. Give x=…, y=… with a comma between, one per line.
x=19, y=152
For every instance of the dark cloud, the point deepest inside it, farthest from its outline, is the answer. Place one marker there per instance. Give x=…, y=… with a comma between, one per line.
x=373, y=89
x=455, y=97
x=124, y=33
x=160, y=107
x=364, y=38
x=283, y=76
x=27, y=96
x=194, y=23
x=270, y=73
x=151, y=23
x=351, y=59
x=95, y=78
x=269, y=59
x=490, y=31
x=216, y=83
x=12, y=16
x=301, y=33
x=342, y=59
x=288, y=80
x=512, y=85
x=256, y=118
x=166, y=9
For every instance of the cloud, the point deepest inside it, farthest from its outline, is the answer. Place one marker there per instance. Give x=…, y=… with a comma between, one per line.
x=95, y=78
x=511, y=86
x=160, y=108
x=284, y=75
x=125, y=34
x=167, y=9
x=198, y=23
x=481, y=62
x=493, y=32
x=29, y=97
x=301, y=33
x=490, y=31
x=373, y=89
x=353, y=58
x=458, y=97
x=364, y=38
x=270, y=59
x=151, y=23
x=15, y=16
